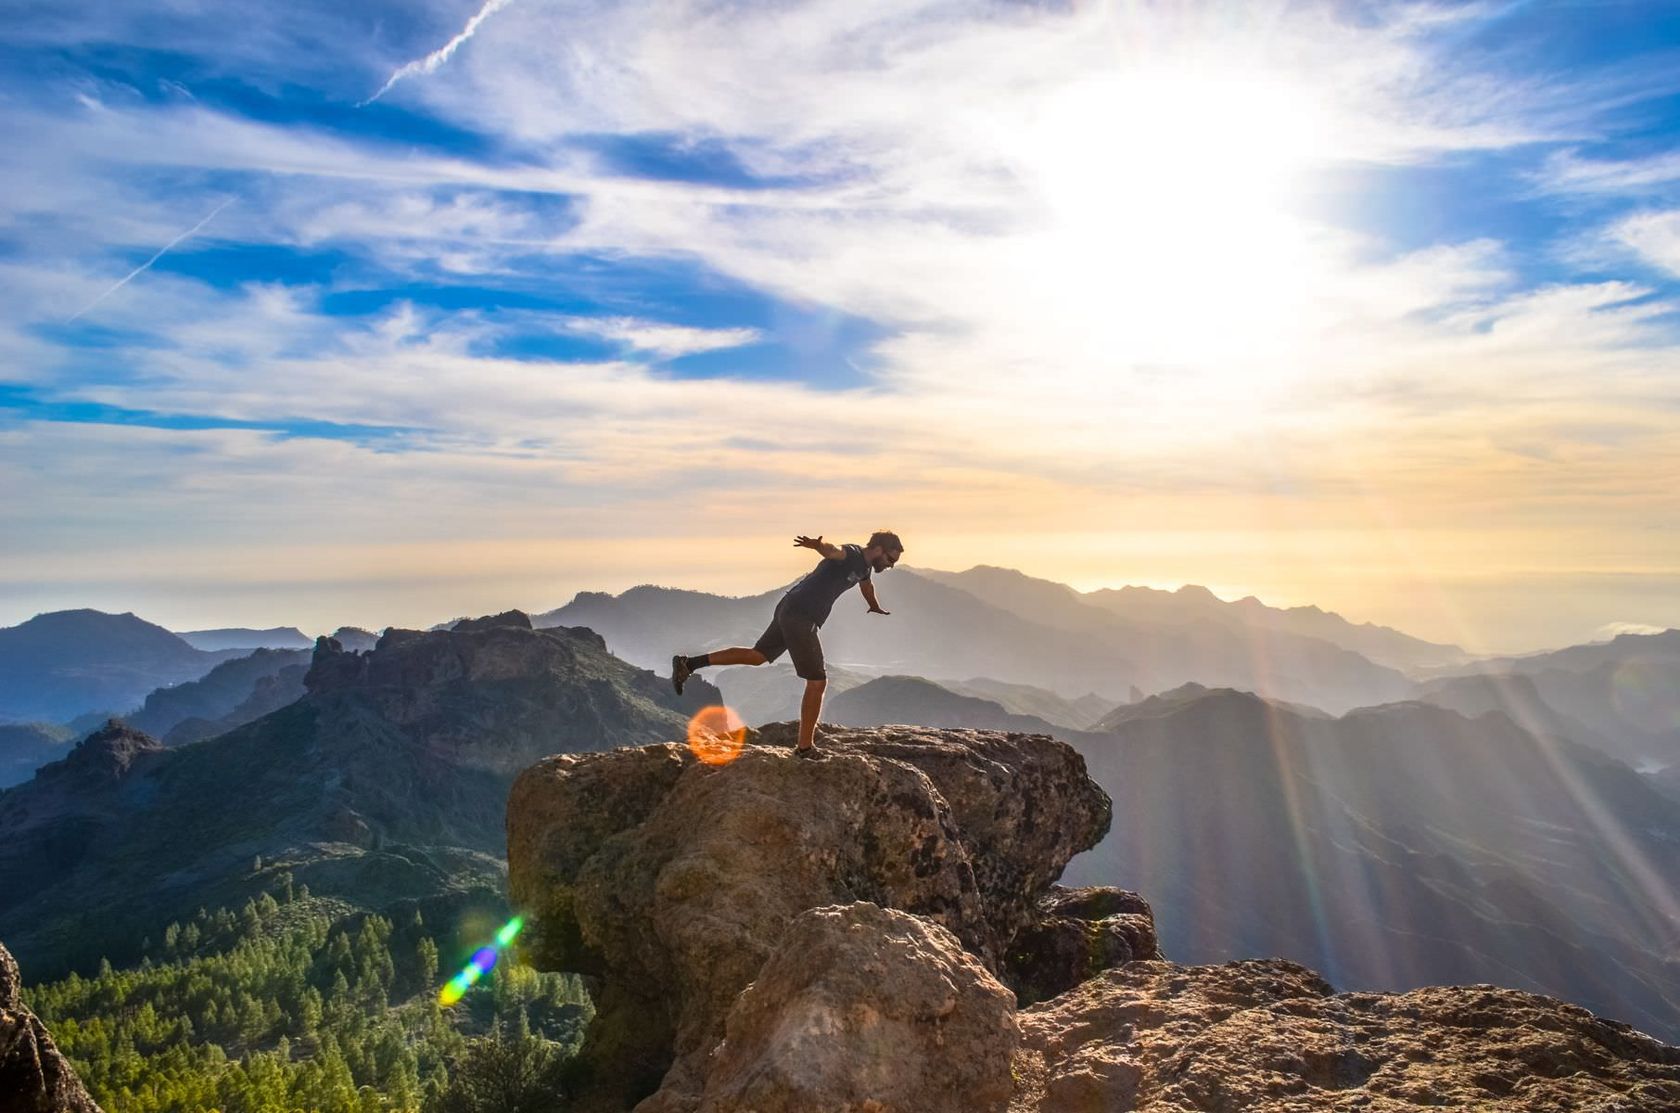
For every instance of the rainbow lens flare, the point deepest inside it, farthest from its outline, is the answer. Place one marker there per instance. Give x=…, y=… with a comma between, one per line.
x=482, y=962
x=716, y=735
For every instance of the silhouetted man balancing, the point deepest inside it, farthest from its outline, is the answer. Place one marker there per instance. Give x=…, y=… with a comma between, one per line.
x=801, y=612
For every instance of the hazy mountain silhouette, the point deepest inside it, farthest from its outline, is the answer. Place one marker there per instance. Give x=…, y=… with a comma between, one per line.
x=1621, y=696
x=910, y=699
x=1396, y=846
x=771, y=693
x=1025, y=699
x=1166, y=703
x=1248, y=617
x=277, y=637
x=943, y=632
x=386, y=781
x=68, y=663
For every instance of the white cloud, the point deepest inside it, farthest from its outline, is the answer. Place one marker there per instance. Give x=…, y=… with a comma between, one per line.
x=1653, y=236
x=1612, y=630
x=664, y=341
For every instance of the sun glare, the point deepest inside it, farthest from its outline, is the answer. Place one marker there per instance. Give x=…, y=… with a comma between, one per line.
x=1172, y=231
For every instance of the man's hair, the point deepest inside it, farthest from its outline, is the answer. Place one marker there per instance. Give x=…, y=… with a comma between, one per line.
x=885, y=538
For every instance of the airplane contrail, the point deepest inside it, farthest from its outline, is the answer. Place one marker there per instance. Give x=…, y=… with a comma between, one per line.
x=438, y=57
x=125, y=279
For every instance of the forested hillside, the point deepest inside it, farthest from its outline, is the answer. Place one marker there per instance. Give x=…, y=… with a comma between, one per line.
x=289, y=1003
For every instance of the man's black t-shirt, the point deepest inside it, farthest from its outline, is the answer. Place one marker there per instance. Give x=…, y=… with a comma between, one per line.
x=814, y=596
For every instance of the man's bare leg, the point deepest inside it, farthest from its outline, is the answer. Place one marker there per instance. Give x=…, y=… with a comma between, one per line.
x=735, y=656
x=684, y=667
x=809, y=708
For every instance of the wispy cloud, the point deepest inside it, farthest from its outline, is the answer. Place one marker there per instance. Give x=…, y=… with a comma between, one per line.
x=165, y=249
x=431, y=62
x=665, y=341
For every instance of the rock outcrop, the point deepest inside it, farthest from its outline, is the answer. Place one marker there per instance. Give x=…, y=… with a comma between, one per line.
x=1272, y=1037
x=34, y=1077
x=876, y=929
x=675, y=882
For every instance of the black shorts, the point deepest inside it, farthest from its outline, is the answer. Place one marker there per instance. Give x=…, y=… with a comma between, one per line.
x=795, y=634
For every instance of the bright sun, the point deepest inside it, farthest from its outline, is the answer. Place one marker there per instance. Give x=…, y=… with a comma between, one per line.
x=1171, y=228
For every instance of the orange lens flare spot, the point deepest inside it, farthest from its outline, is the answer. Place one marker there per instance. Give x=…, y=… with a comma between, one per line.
x=716, y=735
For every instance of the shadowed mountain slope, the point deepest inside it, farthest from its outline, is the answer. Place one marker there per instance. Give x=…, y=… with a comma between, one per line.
x=230, y=695
x=386, y=781
x=1394, y=847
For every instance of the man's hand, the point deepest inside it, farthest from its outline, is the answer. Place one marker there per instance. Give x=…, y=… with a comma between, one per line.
x=829, y=552
x=868, y=590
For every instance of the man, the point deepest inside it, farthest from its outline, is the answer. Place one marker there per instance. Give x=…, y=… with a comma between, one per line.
x=801, y=612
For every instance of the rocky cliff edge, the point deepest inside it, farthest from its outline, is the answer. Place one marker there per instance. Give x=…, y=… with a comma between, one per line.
x=34, y=1076
x=877, y=929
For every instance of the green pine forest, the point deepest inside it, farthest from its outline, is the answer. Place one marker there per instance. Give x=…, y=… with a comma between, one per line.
x=301, y=1003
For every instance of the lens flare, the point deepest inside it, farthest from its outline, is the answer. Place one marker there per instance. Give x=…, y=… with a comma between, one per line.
x=483, y=960
x=716, y=735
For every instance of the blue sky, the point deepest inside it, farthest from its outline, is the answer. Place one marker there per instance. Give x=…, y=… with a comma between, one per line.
x=384, y=313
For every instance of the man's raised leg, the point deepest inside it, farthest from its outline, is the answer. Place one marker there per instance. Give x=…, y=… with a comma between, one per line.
x=809, y=709
x=684, y=667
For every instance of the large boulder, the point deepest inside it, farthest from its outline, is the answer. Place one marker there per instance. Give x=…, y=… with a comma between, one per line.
x=674, y=881
x=1272, y=1037
x=34, y=1077
x=866, y=1008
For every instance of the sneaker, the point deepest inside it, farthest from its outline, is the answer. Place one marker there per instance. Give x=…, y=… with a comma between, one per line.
x=679, y=672
x=804, y=751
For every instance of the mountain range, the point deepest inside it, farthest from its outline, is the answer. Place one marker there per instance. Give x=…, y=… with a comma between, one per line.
x=1034, y=633
x=1396, y=846
x=277, y=637
x=386, y=781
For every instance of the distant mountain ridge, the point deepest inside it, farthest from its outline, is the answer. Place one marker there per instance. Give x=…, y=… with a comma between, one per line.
x=947, y=633
x=57, y=666
x=1022, y=593
x=276, y=637
x=1620, y=696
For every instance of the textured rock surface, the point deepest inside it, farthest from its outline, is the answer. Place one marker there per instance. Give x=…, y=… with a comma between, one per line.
x=1271, y=1037
x=866, y=1008
x=1079, y=932
x=34, y=1077
x=674, y=881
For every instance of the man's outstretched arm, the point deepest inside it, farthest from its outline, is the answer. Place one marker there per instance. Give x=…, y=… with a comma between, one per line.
x=830, y=552
x=868, y=590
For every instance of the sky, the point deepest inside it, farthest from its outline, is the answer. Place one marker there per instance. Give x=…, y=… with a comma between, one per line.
x=314, y=314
